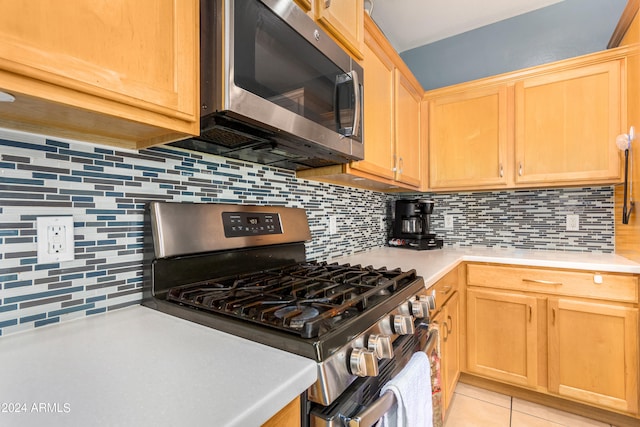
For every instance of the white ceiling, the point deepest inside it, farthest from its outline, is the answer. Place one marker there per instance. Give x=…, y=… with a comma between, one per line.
x=412, y=23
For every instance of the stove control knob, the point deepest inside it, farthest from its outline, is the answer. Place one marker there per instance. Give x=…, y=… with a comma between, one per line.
x=381, y=346
x=429, y=299
x=363, y=363
x=403, y=324
x=420, y=309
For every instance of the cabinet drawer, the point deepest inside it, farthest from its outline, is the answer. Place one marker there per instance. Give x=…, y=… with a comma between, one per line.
x=617, y=287
x=445, y=288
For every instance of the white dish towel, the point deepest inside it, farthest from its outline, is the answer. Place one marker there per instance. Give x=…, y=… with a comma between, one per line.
x=412, y=389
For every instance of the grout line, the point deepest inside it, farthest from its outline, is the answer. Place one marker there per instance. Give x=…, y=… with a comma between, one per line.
x=510, y=410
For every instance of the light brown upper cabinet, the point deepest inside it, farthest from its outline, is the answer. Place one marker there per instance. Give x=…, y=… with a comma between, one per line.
x=392, y=124
x=378, y=111
x=547, y=126
x=344, y=20
x=468, y=139
x=407, y=131
x=392, y=116
x=566, y=125
x=119, y=72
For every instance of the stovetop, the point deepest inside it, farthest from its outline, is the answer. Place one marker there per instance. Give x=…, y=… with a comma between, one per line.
x=243, y=270
x=308, y=299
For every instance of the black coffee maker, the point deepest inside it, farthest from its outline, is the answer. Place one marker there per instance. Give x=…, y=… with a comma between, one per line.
x=412, y=225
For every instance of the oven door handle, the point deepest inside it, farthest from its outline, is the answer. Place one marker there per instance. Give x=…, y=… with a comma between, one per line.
x=374, y=412
x=380, y=407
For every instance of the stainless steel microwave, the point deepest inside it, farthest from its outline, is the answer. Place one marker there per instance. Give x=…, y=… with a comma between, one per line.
x=275, y=88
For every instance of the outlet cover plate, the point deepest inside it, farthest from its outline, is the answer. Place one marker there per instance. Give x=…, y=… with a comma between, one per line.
x=573, y=223
x=55, y=239
x=448, y=222
x=333, y=227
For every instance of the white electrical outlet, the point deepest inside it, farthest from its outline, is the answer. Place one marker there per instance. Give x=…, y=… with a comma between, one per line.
x=55, y=238
x=573, y=222
x=333, y=227
x=448, y=222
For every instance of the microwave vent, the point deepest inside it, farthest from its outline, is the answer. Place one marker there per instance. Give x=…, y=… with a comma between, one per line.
x=226, y=137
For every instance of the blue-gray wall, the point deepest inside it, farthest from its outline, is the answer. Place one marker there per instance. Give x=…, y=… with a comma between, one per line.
x=563, y=30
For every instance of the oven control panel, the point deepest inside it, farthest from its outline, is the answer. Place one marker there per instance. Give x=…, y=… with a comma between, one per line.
x=240, y=224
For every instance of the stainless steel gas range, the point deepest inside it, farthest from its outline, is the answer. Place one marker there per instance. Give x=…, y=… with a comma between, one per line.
x=243, y=270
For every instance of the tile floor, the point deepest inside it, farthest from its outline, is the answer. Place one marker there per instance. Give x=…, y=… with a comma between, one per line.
x=476, y=407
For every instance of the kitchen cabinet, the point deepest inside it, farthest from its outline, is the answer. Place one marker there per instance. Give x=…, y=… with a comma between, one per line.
x=378, y=111
x=627, y=32
x=566, y=125
x=447, y=317
x=289, y=416
x=593, y=352
x=468, y=139
x=546, y=126
x=120, y=73
x=451, y=347
x=407, y=131
x=393, y=125
x=502, y=336
x=572, y=334
x=343, y=19
x=392, y=115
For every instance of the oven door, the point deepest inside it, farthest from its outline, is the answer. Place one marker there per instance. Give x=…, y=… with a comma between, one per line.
x=361, y=404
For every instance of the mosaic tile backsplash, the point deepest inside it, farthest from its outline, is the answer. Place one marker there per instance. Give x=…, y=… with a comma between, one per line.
x=105, y=190
x=527, y=219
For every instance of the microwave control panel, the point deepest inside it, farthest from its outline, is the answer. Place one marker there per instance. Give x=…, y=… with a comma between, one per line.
x=240, y=224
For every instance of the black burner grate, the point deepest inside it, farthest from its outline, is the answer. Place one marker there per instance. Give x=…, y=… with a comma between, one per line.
x=308, y=299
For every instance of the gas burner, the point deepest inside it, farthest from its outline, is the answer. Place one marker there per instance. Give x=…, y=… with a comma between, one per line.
x=308, y=299
x=295, y=316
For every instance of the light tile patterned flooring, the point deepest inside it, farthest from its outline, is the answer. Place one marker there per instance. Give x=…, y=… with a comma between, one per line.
x=476, y=407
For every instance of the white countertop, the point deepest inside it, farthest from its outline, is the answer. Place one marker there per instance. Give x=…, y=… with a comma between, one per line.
x=139, y=367
x=433, y=264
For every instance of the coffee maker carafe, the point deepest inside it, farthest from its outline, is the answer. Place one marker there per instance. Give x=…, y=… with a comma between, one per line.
x=411, y=226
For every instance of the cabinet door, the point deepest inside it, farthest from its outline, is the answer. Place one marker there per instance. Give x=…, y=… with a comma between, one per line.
x=593, y=353
x=407, y=131
x=502, y=334
x=344, y=20
x=468, y=139
x=566, y=125
x=378, y=112
x=451, y=347
x=134, y=60
x=289, y=416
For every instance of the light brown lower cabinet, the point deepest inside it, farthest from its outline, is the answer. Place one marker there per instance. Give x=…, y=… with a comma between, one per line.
x=502, y=336
x=450, y=347
x=593, y=353
x=289, y=416
x=571, y=334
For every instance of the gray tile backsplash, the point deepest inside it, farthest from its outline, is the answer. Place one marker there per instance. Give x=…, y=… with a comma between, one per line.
x=105, y=190
x=527, y=219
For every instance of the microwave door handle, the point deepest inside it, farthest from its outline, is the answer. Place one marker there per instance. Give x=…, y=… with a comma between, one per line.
x=340, y=80
x=357, y=104
x=370, y=416
x=350, y=77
